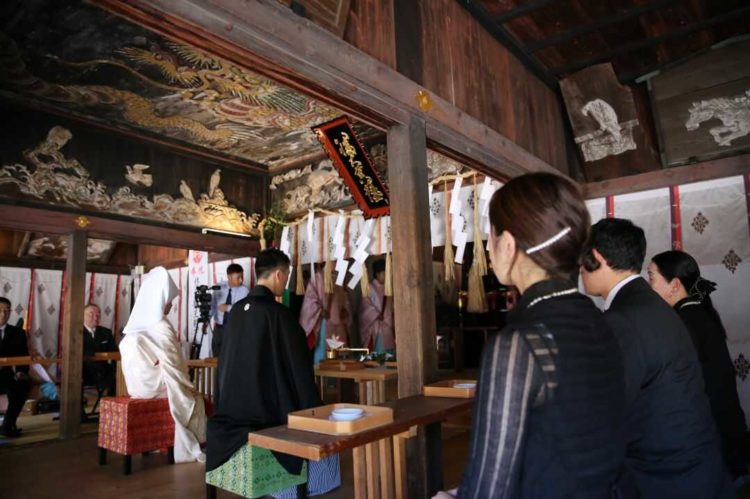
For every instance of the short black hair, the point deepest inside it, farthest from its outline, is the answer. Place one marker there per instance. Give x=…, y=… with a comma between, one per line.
x=619, y=241
x=269, y=260
x=234, y=268
x=378, y=266
x=4, y=300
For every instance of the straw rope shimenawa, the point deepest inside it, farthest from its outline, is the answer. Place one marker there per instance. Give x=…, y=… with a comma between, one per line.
x=448, y=255
x=477, y=299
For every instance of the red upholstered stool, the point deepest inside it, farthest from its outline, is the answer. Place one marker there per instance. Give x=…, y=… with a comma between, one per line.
x=132, y=426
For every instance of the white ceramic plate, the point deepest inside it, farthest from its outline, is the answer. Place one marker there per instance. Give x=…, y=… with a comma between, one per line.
x=465, y=385
x=347, y=414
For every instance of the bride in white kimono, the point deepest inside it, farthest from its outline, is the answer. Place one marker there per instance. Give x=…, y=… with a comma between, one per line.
x=154, y=367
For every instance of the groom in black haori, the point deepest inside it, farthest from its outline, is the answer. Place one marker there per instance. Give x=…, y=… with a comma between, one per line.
x=265, y=371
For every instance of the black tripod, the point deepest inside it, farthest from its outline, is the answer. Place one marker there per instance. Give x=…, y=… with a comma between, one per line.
x=195, y=348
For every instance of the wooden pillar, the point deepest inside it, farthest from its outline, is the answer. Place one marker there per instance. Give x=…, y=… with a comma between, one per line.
x=72, y=346
x=414, y=300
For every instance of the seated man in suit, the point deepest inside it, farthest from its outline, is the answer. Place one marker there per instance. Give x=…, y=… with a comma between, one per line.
x=672, y=444
x=97, y=339
x=14, y=381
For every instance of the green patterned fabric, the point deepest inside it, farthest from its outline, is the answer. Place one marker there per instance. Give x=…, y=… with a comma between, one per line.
x=254, y=472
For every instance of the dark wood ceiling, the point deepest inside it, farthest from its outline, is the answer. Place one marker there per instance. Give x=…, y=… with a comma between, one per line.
x=559, y=37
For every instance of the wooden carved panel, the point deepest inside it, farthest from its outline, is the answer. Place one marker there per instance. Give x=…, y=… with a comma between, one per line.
x=703, y=106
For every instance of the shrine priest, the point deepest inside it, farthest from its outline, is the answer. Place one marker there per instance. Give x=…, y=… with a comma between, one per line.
x=324, y=315
x=376, y=314
x=265, y=372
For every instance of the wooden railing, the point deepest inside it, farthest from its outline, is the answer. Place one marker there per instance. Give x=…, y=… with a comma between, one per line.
x=203, y=372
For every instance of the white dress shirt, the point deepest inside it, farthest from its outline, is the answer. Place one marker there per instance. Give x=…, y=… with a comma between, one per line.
x=220, y=297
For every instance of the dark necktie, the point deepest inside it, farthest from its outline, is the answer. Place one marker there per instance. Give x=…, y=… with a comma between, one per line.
x=229, y=297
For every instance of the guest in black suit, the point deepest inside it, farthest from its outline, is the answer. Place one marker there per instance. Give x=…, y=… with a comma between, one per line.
x=14, y=381
x=676, y=277
x=673, y=447
x=97, y=339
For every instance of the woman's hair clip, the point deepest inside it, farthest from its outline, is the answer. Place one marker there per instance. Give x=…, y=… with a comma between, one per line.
x=552, y=240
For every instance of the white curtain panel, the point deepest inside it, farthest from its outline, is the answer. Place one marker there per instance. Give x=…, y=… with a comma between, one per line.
x=15, y=285
x=105, y=296
x=437, y=218
x=124, y=302
x=715, y=231
x=650, y=210
x=45, y=323
x=597, y=209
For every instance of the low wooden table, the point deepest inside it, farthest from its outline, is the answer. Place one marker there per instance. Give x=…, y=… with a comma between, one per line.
x=370, y=381
x=376, y=475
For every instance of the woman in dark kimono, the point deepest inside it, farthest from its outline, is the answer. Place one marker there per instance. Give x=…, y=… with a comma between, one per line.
x=676, y=277
x=550, y=400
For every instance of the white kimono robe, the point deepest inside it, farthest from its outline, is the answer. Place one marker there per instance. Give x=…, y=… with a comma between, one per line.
x=154, y=367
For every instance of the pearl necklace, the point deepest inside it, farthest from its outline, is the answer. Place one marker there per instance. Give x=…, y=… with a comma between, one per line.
x=552, y=295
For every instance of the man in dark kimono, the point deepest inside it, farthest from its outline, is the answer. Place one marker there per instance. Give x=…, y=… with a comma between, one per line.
x=265, y=368
x=672, y=444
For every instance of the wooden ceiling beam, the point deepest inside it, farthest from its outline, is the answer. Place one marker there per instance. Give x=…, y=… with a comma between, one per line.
x=60, y=221
x=272, y=40
x=599, y=24
x=38, y=263
x=678, y=175
x=522, y=10
x=648, y=42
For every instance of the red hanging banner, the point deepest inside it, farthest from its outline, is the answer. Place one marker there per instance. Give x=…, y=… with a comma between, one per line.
x=353, y=164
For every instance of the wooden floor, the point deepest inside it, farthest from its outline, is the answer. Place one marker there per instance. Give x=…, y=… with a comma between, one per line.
x=58, y=470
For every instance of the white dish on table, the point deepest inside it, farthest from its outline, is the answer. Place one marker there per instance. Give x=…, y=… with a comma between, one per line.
x=465, y=385
x=347, y=414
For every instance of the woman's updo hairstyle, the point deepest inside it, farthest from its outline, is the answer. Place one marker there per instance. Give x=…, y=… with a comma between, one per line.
x=535, y=208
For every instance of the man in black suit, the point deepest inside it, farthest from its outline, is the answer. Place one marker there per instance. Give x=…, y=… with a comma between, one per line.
x=672, y=444
x=14, y=381
x=97, y=339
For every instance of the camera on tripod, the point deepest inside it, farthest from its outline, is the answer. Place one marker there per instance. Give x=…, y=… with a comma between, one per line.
x=203, y=299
